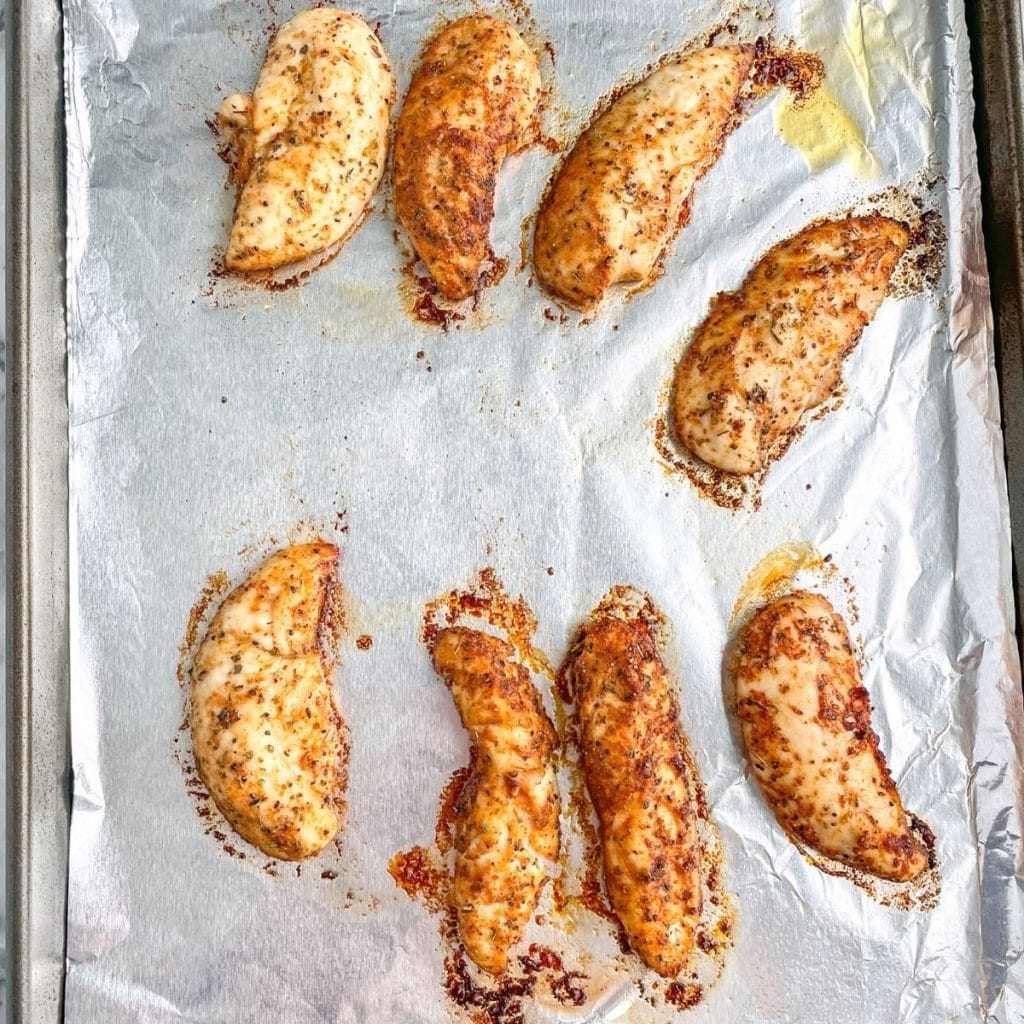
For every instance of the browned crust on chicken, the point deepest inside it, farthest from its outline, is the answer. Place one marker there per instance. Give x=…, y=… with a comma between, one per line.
x=633, y=752
x=806, y=721
x=472, y=102
x=506, y=825
x=774, y=350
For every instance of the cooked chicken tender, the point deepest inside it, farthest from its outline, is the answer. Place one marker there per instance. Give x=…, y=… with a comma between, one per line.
x=623, y=193
x=507, y=815
x=268, y=738
x=633, y=752
x=806, y=722
x=473, y=101
x=311, y=143
x=774, y=350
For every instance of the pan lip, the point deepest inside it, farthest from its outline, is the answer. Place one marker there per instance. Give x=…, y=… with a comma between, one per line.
x=996, y=31
x=38, y=784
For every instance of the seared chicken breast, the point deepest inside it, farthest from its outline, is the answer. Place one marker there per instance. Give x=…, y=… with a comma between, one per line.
x=268, y=738
x=473, y=101
x=806, y=722
x=774, y=350
x=624, y=191
x=310, y=144
x=507, y=815
x=633, y=752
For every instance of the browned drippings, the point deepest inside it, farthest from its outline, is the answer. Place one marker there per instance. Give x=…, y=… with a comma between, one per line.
x=500, y=1000
x=485, y=598
x=683, y=996
x=284, y=279
x=426, y=310
x=799, y=71
x=520, y=12
x=490, y=1000
x=924, y=832
x=364, y=642
x=730, y=491
x=333, y=623
x=925, y=258
x=525, y=227
x=496, y=269
x=216, y=585
x=448, y=807
x=427, y=305
x=211, y=821
x=279, y=279
x=919, y=894
x=545, y=963
x=726, y=490
x=225, y=151
x=420, y=875
x=920, y=269
x=419, y=294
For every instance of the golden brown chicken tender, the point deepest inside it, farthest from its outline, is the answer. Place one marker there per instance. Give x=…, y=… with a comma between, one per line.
x=311, y=142
x=473, y=101
x=774, y=350
x=806, y=722
x=507, y=815
x=633, y=753
x=622, y=194
x=269, y=740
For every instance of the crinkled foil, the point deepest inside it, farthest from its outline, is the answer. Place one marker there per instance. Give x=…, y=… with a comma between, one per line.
x=211, y=422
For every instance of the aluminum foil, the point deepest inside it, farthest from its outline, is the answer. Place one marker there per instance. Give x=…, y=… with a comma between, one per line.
x=211, y=422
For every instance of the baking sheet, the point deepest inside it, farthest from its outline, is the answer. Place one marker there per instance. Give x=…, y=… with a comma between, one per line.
x=997, y=30
x=210, y=423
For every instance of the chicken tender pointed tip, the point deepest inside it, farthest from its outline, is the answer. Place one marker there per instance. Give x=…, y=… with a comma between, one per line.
x=774, y=350
x=310, y=145
x=268, y=738
x=507, y=815
x=473, y=101
x=634, y=764
x=806, y=722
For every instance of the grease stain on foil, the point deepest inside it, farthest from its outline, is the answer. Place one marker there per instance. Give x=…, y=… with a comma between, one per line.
x=774, y=574
x=865, y=64
x=821, y=128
